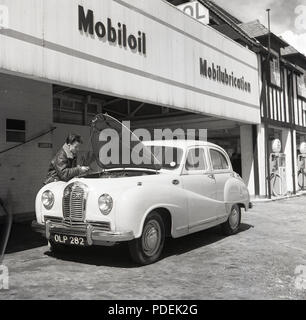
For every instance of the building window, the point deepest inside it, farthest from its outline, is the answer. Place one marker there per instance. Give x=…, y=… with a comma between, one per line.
x=275, y=72
x=302, y=85
x=15, y=130
x=72, y=111
x=68, y=111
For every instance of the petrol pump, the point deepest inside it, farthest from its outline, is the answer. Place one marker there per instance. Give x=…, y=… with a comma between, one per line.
x=301, y=161
x=278, y=169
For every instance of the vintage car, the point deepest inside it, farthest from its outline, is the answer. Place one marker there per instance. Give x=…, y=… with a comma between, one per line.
x=142, y=204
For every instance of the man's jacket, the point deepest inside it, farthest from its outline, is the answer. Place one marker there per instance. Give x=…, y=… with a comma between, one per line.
x=63, y=166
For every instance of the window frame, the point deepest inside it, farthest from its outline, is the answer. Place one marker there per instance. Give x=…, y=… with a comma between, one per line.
x=24, y=131
x=272, y=63
x=59, y=110
x=229, y=169
x=302, y=90
x=186, y=172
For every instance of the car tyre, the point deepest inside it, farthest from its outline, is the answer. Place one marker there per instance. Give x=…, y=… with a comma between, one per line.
x=232, y=225
x=148, y=248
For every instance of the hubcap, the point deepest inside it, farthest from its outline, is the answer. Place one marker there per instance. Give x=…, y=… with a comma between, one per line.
x=234, y=219
x=151, y=238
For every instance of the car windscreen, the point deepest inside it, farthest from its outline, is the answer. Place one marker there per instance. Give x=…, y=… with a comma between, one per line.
x=169, y=158
x=114, y=145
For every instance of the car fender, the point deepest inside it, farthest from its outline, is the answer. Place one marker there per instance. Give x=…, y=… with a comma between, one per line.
x=135, y=205
x=57, y=189
x=236, y=192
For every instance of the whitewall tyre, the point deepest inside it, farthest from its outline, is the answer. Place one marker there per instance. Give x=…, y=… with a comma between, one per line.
x=148, y=248
x=232, y=225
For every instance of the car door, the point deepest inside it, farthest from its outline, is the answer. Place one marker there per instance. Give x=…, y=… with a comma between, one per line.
x=200, y=187
x=221, y=170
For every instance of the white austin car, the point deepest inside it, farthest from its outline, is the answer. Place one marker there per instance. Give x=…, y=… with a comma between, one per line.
x=143, y=204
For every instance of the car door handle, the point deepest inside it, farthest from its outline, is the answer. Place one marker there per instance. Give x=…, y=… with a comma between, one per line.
x=211, y=176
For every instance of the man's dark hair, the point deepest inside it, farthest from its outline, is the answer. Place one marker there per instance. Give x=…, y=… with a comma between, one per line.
x=72, y=138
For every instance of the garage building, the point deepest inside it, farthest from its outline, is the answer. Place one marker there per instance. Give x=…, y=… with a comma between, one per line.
x=62, y=62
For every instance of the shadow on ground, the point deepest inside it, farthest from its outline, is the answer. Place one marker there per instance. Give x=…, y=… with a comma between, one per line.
x=118, y=256
x=22, y=238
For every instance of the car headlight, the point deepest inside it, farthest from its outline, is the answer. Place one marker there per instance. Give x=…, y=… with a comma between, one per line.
x=105, y=204
x=47, y=199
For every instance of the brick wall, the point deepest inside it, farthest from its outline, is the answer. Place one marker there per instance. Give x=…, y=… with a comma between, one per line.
x=23, y=169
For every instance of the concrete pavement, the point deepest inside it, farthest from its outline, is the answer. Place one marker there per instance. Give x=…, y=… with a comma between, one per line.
x=258, y=263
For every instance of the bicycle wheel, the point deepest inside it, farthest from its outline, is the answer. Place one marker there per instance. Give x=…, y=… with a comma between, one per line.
x=276, y=185
x=301, y=180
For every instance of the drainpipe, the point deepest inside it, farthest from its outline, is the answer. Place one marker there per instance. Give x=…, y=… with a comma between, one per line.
x=292, y=123
x=293, y=159
x=267, y=96
x=267, y=106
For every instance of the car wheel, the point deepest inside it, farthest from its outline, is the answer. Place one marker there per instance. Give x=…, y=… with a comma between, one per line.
x=147, y=249
x=231, y=226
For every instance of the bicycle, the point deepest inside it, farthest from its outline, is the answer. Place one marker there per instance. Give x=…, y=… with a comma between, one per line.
x=302, y=179
x=275, y=181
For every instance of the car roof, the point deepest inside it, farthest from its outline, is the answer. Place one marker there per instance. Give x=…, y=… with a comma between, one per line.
x=180, y=143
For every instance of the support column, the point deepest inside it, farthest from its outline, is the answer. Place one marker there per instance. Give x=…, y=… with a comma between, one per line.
x=287, y=149
x=261, y=160
x=247, y=157
x=294, y=162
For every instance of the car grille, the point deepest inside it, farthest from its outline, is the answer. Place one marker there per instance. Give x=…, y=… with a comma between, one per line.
x=74, y=202
x=82, y=226
x=103, y=226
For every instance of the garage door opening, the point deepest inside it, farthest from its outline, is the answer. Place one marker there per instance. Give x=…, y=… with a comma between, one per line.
x=73, y=110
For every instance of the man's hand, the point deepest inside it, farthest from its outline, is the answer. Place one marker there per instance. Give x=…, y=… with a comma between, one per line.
x=84, y=169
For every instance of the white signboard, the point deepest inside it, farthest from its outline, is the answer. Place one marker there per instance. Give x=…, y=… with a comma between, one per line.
x=196, y=10
x=276, y=146
x=303, y=148
x=146, y=51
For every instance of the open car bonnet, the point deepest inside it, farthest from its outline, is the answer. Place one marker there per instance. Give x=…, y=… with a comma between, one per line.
x=114, y=145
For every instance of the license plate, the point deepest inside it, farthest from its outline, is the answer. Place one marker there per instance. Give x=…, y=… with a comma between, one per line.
x=69, y=240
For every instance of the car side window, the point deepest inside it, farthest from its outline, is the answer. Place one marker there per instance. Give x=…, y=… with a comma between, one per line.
x=196, y=160
x=218, y=160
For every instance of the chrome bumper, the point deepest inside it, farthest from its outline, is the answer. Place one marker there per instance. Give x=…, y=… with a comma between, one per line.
x=93, y=235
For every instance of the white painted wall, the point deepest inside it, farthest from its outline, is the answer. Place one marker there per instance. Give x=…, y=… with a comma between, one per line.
x=261, y=160
x=22, y=170
x=295, y=163
x=286, y=141
x=247, y=157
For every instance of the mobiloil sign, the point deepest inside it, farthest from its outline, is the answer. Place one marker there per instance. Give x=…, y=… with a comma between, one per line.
x=113, y=34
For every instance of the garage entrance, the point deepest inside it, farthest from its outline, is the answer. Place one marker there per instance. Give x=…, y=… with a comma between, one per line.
x=73, y=109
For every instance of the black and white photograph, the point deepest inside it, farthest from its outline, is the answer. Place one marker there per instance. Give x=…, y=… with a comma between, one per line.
x=152, y=150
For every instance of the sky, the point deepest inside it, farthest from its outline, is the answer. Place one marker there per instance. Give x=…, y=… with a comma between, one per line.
x=288, y=17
